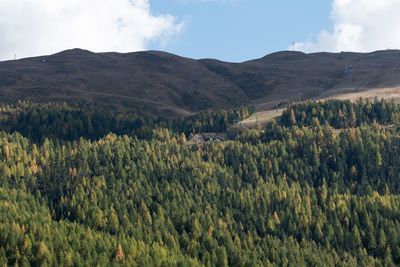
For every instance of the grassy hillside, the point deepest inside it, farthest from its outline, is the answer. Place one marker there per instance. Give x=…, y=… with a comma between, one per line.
x=155, y=82
x=150, y=82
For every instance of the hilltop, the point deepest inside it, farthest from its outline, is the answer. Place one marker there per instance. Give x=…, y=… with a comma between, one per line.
x=154, y=81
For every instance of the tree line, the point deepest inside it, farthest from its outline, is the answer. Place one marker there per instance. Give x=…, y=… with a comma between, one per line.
x=70, y=122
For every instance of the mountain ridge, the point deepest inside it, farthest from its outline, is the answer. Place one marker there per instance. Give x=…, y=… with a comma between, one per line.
x=158, y=82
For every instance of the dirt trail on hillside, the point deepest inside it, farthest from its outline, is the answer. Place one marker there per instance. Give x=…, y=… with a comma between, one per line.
x=263, y=117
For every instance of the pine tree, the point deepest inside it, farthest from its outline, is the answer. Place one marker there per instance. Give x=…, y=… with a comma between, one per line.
x=356, y=238
x=182, y=139
x=292, y=118
x=42, y=253
x=114, y=222
x=119, y=253
x=222, y=259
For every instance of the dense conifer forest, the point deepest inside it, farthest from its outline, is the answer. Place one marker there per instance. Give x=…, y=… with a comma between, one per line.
x=81, y=186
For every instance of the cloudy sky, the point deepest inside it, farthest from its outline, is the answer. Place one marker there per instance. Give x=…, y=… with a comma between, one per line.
x=233, y=30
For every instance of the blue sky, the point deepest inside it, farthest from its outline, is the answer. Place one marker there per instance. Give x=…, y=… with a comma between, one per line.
x=243, y=29
x=231, y=30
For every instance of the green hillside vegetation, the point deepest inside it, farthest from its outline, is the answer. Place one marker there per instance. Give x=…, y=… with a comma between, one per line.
x=342, y=114
x=66, y=122
x=308, y=190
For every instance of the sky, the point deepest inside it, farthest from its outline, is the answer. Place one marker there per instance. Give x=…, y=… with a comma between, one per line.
x=230, y=30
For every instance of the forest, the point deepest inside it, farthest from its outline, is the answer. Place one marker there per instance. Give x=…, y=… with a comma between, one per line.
x=319, y=186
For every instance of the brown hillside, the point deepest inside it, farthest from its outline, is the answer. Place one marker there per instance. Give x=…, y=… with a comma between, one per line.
x=157, y=82
x=290, y=76
x=150, y=81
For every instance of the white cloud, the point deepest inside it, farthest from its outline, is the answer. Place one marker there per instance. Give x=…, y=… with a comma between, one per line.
x=210, y=1
x=37, y=27
x=359, y=25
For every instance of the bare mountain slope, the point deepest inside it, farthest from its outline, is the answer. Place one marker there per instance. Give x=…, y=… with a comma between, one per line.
x=151, y=81
x=290, y=76
x=156, y=82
